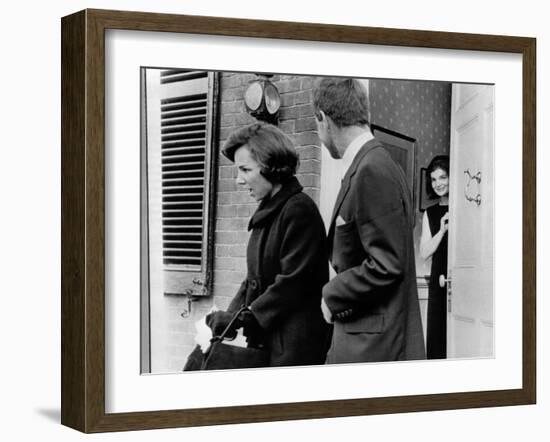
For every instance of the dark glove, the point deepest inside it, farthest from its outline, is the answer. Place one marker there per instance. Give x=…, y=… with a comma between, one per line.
x=251, y=327
x=218, y=321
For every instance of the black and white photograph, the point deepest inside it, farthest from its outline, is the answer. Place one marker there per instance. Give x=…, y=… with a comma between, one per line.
x=249, y=221
x=293, y=220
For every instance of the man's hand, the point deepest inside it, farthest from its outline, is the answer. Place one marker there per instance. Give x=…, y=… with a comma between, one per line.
x=327, y=314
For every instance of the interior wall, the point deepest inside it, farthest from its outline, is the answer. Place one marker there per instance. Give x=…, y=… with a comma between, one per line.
x=420, y=110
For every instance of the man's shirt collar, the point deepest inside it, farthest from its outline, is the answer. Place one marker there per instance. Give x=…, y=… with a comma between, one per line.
x=354, y=147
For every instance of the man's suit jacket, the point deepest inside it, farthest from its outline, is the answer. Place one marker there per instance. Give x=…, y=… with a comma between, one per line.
x=373, y=297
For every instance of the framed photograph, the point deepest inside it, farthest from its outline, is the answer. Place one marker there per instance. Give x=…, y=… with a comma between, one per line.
x=159, y=217
x=402, y=148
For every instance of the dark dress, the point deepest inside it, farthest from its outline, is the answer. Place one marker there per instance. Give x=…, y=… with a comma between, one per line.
x=436, y=347
x=287, y=268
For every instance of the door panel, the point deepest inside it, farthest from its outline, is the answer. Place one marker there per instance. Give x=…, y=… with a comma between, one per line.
x=471, y=225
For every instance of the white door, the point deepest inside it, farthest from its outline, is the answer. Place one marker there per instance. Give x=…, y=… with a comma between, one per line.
x=471, y=227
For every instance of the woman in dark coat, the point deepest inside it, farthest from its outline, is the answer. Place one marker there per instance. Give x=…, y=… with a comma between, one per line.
x=433, y=244
x=286, y=255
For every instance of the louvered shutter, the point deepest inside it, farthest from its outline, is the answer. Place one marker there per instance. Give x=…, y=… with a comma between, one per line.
x=183, y=129
x=179, y=176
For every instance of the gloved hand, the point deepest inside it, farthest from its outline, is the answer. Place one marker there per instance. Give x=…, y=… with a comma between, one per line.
x=251, y=327
x=219, y=320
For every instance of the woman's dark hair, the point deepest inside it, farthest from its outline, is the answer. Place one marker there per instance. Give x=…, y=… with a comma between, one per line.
x=438, y=162
x=269, y=147
x=344, y=100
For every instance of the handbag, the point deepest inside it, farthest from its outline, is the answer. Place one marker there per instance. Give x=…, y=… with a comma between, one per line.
x=222, y=356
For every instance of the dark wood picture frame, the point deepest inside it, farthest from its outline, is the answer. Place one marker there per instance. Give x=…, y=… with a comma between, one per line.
x=403, y=151
x=83, y=220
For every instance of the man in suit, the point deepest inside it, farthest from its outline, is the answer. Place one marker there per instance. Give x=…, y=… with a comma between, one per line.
x=372, y=300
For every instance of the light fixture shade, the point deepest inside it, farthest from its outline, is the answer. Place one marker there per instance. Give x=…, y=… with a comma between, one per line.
x=253, y=96
x=272, y=98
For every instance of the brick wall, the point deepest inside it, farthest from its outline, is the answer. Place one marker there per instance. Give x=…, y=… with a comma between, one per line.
x=235, y=206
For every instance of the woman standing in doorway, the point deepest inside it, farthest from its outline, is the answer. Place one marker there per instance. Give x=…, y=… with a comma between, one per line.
x=433, y=244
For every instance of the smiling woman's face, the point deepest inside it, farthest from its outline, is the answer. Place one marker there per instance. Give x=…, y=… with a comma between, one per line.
x=440, y=182
x=249, y=176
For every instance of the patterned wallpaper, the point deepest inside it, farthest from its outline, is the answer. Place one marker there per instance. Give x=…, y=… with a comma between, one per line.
x=418, y=109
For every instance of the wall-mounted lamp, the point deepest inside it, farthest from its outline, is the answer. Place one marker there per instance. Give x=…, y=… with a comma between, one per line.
x=262, y=99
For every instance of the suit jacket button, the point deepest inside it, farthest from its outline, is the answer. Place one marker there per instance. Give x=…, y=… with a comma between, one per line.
x=253, y=284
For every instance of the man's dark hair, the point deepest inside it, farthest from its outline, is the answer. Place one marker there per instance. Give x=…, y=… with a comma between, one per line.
x=344, y=100
x=438, y=162
x=271, y=148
